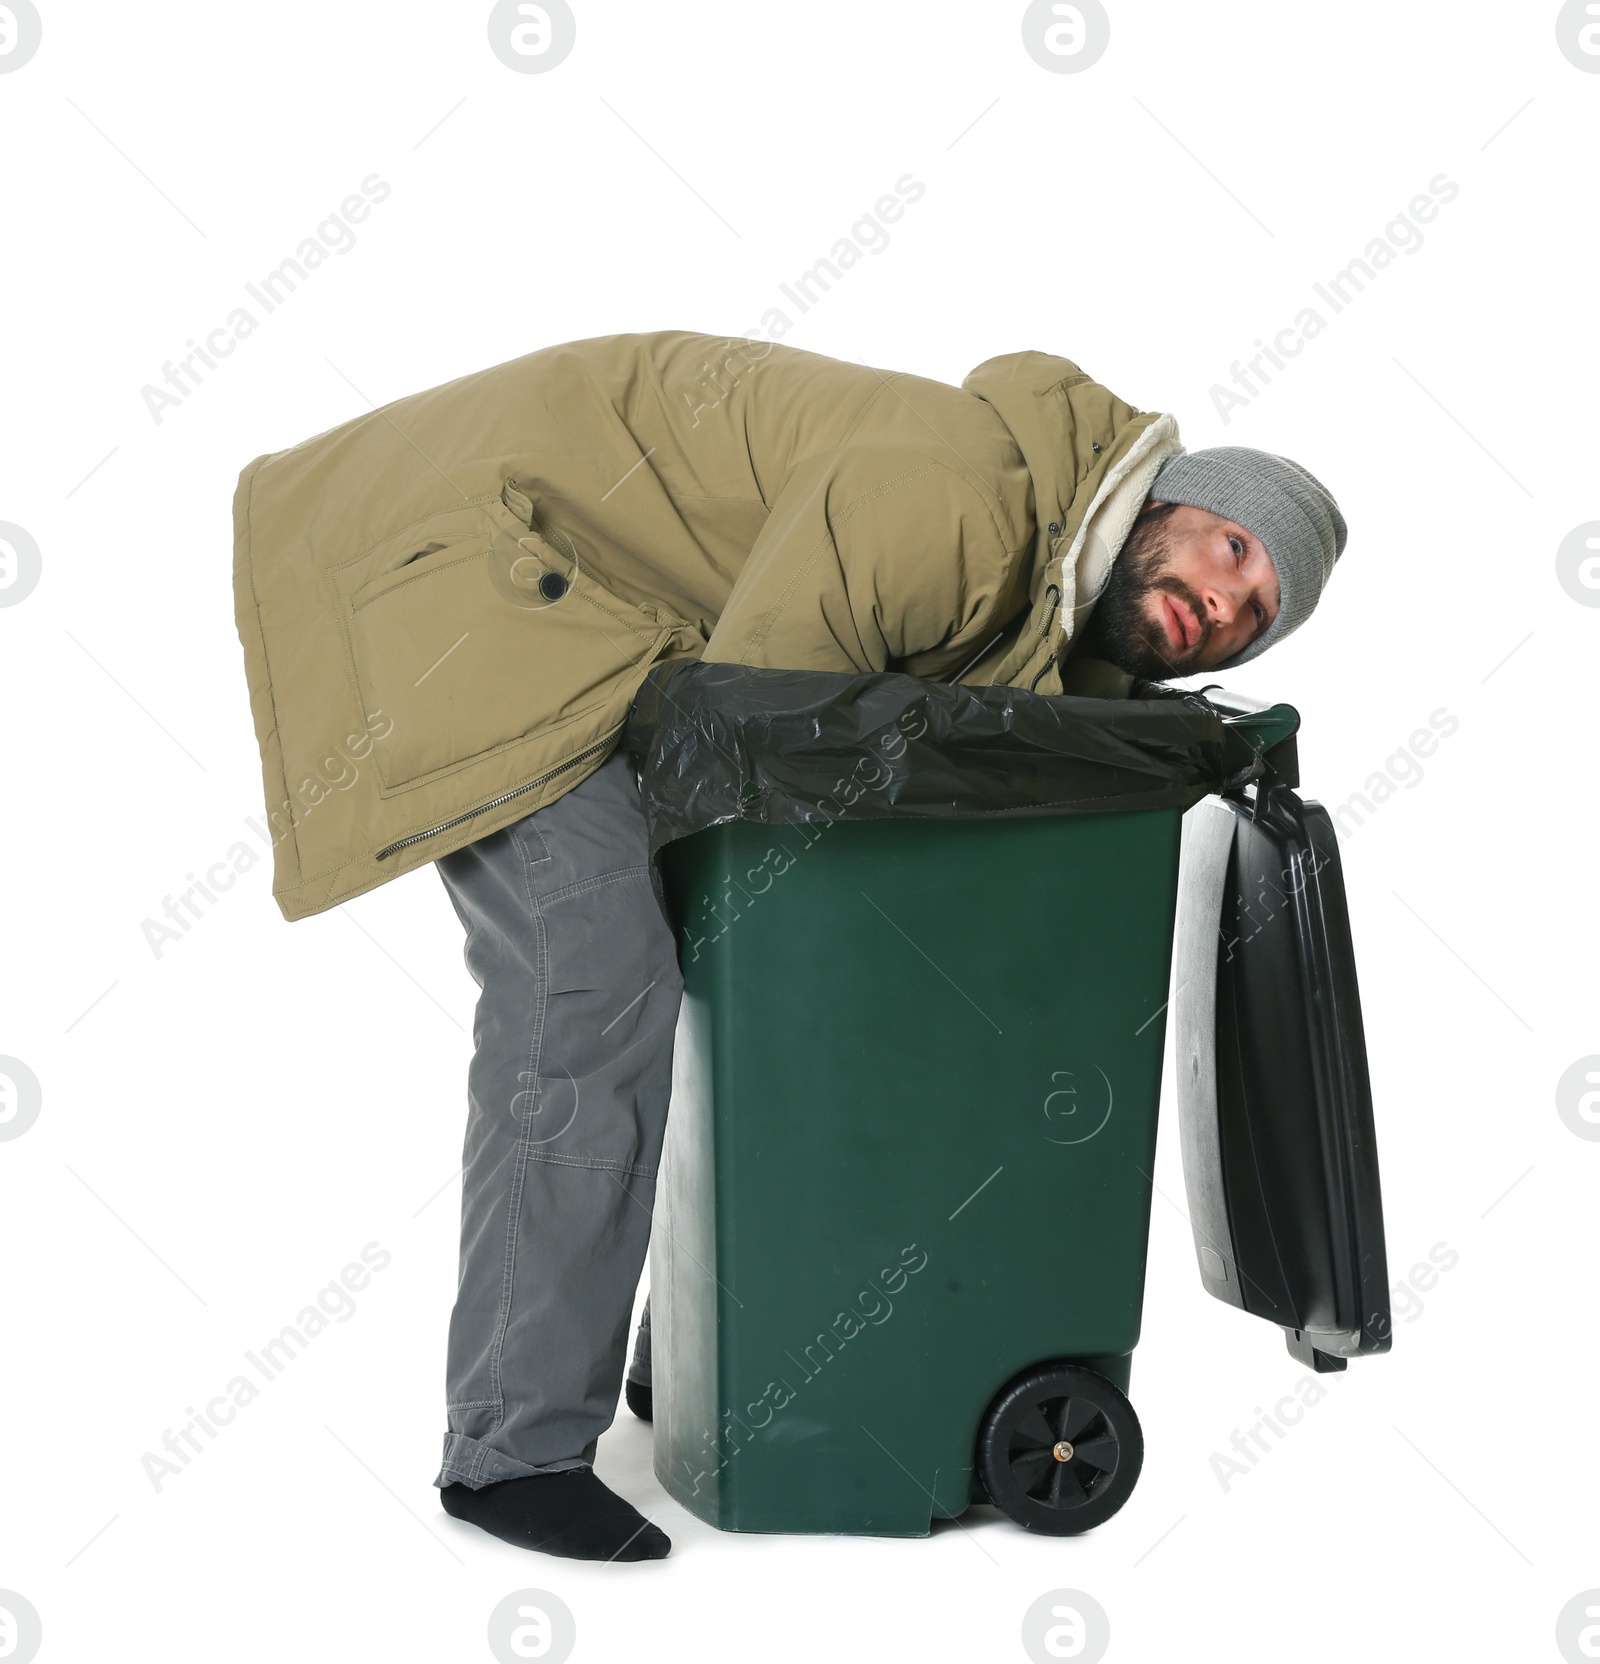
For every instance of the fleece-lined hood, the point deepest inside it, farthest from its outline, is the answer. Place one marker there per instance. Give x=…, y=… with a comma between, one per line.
x=1092, y=459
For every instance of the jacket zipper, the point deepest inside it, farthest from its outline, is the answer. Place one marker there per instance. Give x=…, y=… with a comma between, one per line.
x=504, y=797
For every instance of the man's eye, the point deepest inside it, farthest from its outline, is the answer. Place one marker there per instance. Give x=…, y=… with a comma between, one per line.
x=1237, y=545
x=1261, y=614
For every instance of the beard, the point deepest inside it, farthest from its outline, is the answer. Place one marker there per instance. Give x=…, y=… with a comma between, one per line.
x=1120, y=629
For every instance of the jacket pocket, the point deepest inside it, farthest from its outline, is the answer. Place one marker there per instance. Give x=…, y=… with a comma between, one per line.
x=467, y=639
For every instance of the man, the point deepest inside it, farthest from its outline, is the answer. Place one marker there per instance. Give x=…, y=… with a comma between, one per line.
x=447, y=606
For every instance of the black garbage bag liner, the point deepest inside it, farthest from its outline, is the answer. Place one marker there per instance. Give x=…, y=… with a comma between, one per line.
x=723, y=742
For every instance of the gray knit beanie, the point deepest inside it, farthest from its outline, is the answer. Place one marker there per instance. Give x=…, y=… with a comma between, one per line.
x=1293, y=515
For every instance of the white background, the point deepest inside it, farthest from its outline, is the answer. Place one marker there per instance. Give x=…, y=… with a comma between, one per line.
x=225, y=1125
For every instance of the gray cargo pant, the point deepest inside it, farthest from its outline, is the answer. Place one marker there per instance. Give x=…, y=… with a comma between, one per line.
x=567, y=1105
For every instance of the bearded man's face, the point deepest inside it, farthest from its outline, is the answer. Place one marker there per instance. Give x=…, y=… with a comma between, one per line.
x=1187, y=592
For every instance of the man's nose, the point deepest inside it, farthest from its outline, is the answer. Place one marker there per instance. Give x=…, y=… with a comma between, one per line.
x=1221, y=604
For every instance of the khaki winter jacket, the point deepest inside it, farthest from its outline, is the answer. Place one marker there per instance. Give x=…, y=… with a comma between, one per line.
x=447, y=605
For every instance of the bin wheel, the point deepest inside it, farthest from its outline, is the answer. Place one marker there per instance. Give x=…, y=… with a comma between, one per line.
x=1060, y=1449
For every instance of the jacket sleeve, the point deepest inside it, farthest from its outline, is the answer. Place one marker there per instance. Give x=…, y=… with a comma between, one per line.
x=872, y=555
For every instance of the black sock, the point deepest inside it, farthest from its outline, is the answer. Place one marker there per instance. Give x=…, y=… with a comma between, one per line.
x=571, y=1513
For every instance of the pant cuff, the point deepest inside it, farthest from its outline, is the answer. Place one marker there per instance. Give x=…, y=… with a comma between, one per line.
x=473, y=1463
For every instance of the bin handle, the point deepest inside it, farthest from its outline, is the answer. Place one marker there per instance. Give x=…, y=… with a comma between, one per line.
x=1268, y=729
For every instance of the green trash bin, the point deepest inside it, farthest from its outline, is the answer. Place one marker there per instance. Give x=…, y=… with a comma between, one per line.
x=899, y=1253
